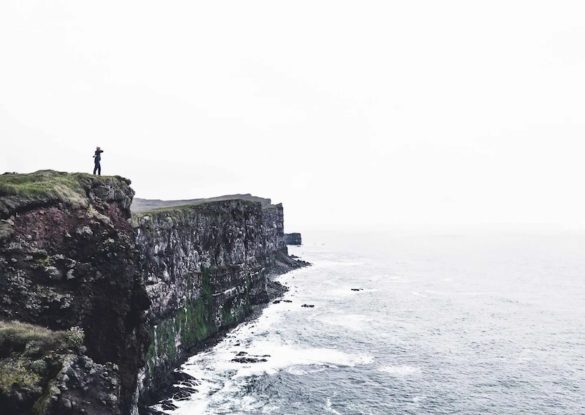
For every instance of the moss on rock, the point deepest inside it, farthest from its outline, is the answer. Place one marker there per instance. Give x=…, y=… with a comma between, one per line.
x=191, y=325
x=30, y=358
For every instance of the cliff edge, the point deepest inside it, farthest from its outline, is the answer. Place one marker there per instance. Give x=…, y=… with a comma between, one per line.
x=99, y=305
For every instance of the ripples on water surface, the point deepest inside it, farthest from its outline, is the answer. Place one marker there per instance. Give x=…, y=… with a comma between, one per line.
x=445, y=323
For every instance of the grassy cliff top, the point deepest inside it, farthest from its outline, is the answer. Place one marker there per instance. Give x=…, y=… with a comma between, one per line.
x=143, y=206
x=45, y=187
x=213, y=207
x=20, y=192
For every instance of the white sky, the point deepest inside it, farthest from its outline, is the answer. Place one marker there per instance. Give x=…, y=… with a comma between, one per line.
x=350, y=113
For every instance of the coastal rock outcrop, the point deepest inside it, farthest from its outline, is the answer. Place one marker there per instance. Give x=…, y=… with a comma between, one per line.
x=98, y=306
x=294, y=238
x=204, y=265
x=67, y=259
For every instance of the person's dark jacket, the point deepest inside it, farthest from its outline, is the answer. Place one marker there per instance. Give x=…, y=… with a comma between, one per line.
x=97, y=157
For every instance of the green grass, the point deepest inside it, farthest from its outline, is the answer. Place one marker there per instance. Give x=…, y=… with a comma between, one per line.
x=16, y=372
x=32, y=341
x=203, y=206
x=45, y=186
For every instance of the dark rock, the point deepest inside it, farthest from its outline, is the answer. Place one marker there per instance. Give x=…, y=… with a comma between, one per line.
x=183, y=393
x=308, y=305
x=168, y=405
x=249, y=359
x=293, y=238
x=182, y=377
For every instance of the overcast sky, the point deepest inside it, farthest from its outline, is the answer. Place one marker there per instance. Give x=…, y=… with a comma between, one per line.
x=349, y=112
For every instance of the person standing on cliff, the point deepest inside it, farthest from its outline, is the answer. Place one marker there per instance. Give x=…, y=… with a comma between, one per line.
x=97, y=158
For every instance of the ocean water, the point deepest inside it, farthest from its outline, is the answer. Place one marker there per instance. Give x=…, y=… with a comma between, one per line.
x=466, y=322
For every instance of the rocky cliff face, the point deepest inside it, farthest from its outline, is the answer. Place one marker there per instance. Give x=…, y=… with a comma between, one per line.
x=204, y=266
x=67, y=259
x=144, y=291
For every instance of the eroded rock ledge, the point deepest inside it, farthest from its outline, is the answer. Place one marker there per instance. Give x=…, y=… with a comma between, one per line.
x=144, y=289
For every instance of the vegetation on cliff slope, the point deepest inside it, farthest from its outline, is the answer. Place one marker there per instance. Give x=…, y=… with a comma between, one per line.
x=192, y=324
x=44, y=187
x=30, y=357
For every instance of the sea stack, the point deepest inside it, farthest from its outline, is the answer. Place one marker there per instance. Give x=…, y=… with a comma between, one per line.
x=293, y=239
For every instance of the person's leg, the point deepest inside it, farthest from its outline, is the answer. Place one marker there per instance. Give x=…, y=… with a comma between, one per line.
x=95, y=167
x=99, y=166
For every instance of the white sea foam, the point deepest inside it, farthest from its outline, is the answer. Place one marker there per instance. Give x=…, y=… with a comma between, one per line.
x=219, y=376
x=304, y=370
x=282, y=356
